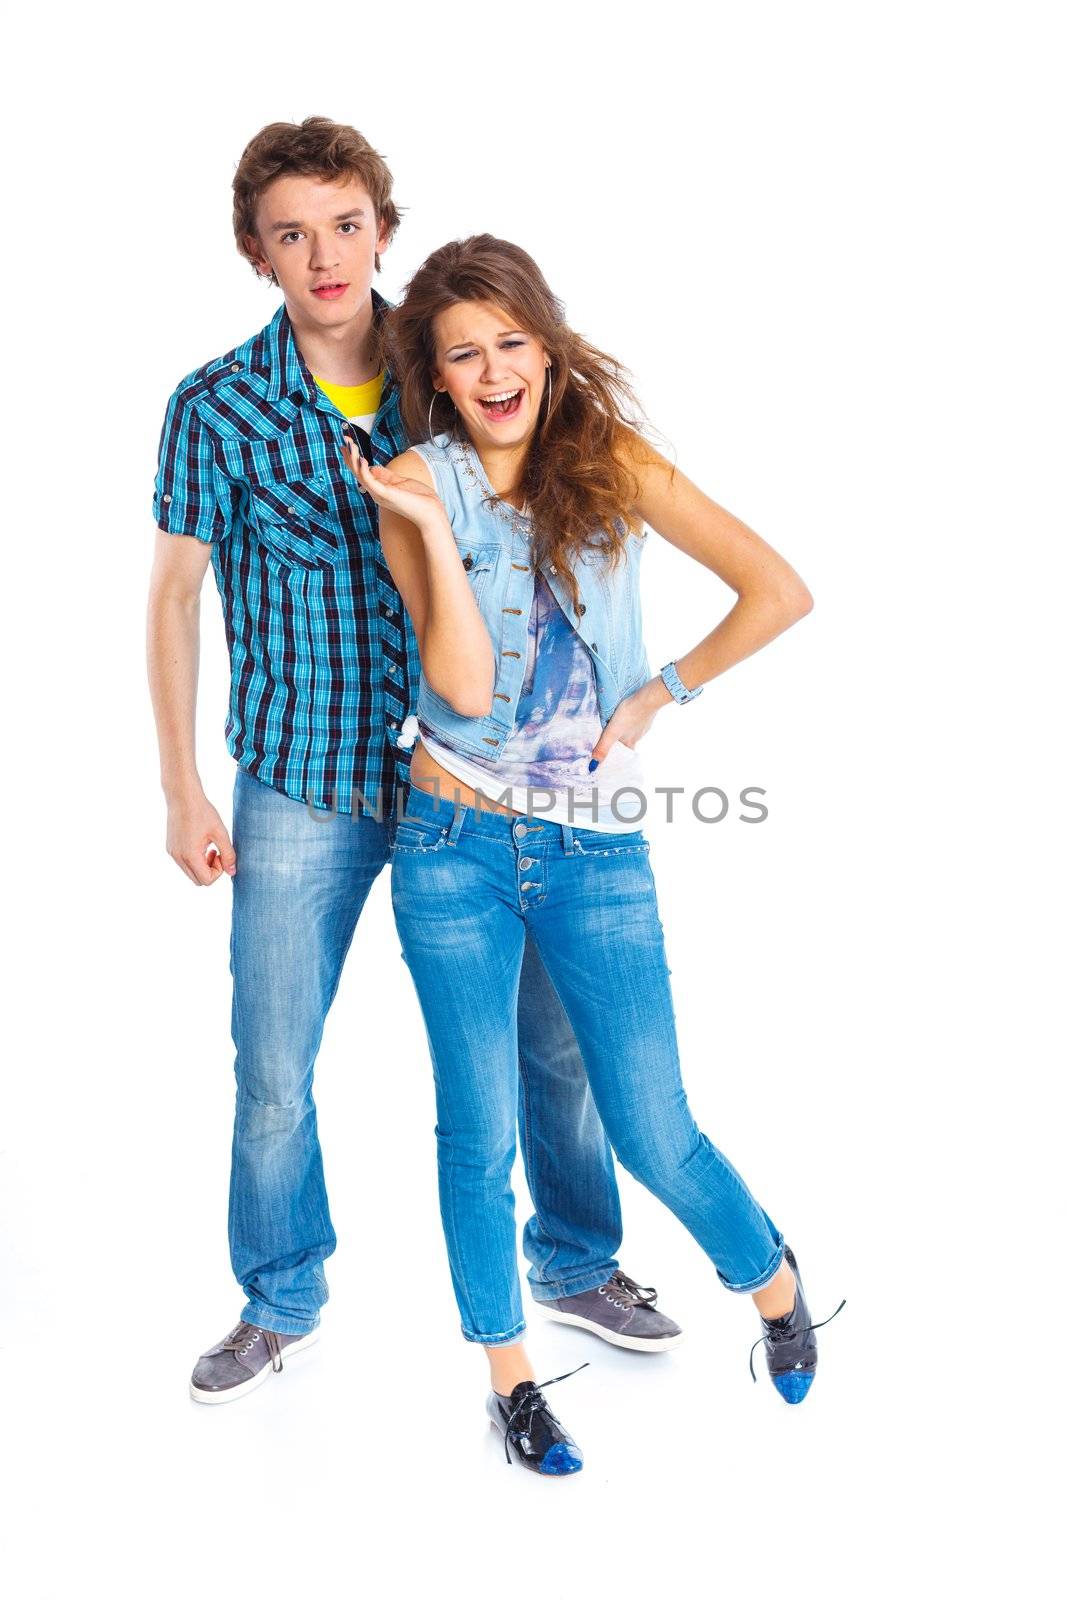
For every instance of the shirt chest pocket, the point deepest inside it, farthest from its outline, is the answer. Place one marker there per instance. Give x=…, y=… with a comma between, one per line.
x=296, y=522
x=480, y=561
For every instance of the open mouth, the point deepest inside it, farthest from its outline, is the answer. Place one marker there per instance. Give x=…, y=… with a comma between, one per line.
x=329, y=291
x=503, y=405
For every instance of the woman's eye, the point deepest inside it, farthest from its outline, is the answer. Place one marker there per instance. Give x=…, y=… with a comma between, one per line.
x=511, y=344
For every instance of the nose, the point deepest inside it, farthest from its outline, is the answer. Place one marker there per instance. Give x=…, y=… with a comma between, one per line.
x=493, y=367
x=322, y=255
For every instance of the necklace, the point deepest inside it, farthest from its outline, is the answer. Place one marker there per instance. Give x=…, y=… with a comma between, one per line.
x=516, y=520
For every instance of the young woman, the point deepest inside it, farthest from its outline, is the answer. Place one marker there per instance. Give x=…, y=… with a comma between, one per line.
x=514, y=536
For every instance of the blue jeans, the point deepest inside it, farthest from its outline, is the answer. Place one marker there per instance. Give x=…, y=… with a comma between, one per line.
x=468, y=892
x=300, y=886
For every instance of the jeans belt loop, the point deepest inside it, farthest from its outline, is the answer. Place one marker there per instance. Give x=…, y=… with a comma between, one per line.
x=568, y=839
x=457, y=824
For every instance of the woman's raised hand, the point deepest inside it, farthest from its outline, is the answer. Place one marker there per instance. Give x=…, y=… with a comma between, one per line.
x=406, y=496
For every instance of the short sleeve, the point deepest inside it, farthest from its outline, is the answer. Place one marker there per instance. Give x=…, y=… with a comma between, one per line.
x=192, y=494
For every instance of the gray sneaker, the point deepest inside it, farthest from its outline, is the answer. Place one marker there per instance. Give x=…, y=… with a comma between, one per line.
x=242, y=1361
x=620, y=1311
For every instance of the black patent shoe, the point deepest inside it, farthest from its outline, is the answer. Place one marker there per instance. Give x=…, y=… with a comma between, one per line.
x=792, y=1349
x=532, y=1430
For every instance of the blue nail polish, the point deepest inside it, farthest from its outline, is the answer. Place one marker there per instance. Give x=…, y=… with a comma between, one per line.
x=593, y=765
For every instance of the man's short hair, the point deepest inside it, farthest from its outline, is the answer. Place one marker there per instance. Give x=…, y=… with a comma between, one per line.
x=314, y=148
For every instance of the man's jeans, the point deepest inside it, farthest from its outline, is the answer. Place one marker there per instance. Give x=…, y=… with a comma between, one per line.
x=300, y=885
x=468, y=892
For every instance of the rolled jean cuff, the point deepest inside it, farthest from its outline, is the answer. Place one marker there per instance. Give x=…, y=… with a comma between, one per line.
x=263, y=1316
x=556, y=1290
x=764, y=1278
x=511, y=1337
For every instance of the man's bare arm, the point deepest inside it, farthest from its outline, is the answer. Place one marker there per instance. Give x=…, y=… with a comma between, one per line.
x=197, y=837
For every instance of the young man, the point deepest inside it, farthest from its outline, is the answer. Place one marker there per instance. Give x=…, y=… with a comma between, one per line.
x=324, y=669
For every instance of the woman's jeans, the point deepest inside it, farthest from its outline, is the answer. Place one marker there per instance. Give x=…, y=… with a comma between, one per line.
x=468, y=887
x=302, y=880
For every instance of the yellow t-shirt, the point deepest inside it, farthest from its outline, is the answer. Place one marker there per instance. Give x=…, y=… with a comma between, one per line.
x=358, y=402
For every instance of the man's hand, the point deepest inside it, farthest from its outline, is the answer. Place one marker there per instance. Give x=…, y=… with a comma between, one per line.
x=197, y=839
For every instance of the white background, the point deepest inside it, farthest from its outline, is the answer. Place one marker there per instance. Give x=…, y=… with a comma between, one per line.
x=826, y=239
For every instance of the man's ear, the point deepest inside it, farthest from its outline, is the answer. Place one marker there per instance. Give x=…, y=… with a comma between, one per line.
x=381, y=245
x=254, y=250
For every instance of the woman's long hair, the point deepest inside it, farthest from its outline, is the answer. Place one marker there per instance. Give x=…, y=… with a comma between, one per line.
x=577, y=481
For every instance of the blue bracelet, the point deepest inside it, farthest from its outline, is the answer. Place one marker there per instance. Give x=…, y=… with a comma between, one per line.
x=669, y=674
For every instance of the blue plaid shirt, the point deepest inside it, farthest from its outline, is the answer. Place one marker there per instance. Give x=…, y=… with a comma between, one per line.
x=324, y=662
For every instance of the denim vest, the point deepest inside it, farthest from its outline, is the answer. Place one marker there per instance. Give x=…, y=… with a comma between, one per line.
x=494, y=542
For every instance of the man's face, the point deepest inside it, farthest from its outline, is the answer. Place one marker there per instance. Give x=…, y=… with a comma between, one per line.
x=320, y=240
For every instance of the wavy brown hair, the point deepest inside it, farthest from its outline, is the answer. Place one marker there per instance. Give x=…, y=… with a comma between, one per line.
x=314, y=148
x=578, y=478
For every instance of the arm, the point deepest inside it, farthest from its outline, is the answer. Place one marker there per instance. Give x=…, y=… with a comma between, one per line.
x=454, y=645
x=770, y=595
x=197, y=838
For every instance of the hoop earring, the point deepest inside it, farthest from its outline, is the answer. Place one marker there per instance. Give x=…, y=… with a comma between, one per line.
x=429, y=420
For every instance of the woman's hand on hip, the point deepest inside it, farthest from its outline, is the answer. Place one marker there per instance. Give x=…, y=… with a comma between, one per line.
x=632, y=718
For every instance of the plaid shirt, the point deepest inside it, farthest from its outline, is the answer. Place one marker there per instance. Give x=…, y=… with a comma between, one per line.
x=324, y=662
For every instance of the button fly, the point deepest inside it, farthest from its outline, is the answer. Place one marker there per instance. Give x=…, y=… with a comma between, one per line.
x=527, y=861
x=520, y=830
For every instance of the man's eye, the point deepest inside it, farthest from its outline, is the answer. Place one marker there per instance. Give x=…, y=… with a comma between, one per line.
x=354, y=226
x=287, y=236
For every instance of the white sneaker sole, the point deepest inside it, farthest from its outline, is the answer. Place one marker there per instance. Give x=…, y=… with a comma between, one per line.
x=625, y=1341
x=221, y=1397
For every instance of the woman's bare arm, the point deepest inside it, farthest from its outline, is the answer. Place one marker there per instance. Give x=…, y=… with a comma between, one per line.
x=770, y=595
x=419, y=547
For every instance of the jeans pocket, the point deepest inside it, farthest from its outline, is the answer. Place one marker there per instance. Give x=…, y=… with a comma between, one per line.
x=610, y=845
x=417, y=837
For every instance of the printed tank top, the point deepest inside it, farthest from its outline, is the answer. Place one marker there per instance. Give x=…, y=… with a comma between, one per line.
x=545, y=763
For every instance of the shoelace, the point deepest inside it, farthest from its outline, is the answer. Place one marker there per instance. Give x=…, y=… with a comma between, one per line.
x=776, y=1335
x=533, y=1400
x=635, y=1293
x=244, y=1336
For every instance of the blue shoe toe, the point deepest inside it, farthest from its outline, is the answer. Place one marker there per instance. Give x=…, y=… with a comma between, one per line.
x=792, y=1386
x=561, y=1459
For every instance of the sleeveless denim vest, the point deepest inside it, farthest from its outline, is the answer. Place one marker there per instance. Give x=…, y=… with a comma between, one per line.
x=494, y=543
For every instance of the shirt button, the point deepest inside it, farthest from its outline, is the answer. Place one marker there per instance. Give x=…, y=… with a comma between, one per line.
x=527, y=861
x=593, y=647
x=581, y=611
x=166, y=499
x=236, y=367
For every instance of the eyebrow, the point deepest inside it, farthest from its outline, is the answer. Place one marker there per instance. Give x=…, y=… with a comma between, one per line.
x=468, y=342
x=345, y=216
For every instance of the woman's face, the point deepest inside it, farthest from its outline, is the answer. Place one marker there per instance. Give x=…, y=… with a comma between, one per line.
x=493, y=370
